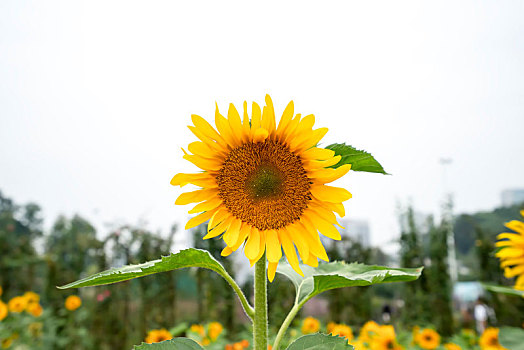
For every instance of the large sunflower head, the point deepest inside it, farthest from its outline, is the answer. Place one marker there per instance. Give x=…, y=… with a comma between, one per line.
x=428, y=339
x=263, y=184
x=511, y=254
x=489, y=340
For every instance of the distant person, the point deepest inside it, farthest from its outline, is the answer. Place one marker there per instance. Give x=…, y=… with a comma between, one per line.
x=481, y=314
x=386, y=314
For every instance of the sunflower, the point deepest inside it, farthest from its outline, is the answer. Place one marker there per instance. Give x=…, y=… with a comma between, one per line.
x=452, y=346
x=310, y=325
x=511, y=254
x=489, y=340
x=34, y=309
x=17, y=304
x=428, y=339
x=73, y=302
x=368, y=330
x=199, y=329
x=343, y=331
x=32, y=297
x=158, y=335
x=214, y=330
x=384, y=339
x=263, y=184
x=3, y=310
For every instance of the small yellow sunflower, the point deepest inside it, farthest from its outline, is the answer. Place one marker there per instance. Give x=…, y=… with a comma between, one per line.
x=158, y=335
x=359, y=345
x=73, y=302
x=489, y=340
x=214, y=330
x=310, y=325
x=511, y=254
x=384, y=339
x=3, y=310
x=17, y=304
x=199, y=329
x=34, y=309
x=368, y=330
x=32, y=297
x=343, y=331
x=452, y=346
x=428, y=339
x=264, y=184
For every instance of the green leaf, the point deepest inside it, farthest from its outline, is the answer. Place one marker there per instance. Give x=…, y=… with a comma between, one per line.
x=320, y=341
x=339, y=274
x=512, y=338
x=359, y=160
x=185, y=258
x=503, y=289
x=173, y=344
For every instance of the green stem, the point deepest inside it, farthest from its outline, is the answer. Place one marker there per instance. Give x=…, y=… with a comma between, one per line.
x=289, y=318
x=248, y=309
x=260, y=319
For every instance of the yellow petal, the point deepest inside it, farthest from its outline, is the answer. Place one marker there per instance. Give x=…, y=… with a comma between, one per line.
x=203, y=150
x=312, y=261
x=207, y=205
x=218, y=229
x=201, y=179
x=324, y=213
x=220, y=216
x=509, y=253
x=512, y=272
x=196, y=196
x=204, y=163
x=296, y=232
x=511, y=262
x=199, y=219
x=291, y=129
x=287, y=116
x=245, y=125
x=262, y=245
x=221, y=149
x=256, y=116
x=245, y=231
x=323, y=176
x=271, y=269
x=232, y=233
x=316, y=153
x=253, y=244
x=312, y=239
x=316, y=164
x=322, y=225
x=260, y=135
x=224, y=129
x=311, y=140
x=234, y=123
x=289, y=250
x=268, y=116
x=273, y=248
x=206, y=129
x=516, y=226
x=514, y=237
x=226, y=251
x=330, y=193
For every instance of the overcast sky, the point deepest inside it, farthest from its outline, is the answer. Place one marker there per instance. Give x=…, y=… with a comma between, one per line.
x=95, y=97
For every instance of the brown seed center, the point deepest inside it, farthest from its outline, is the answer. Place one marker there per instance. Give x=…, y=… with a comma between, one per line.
x=264, y=184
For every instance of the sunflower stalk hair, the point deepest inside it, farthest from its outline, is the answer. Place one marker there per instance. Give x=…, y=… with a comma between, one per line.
x=260, y=319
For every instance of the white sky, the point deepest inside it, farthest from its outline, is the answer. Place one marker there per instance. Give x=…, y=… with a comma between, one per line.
x=95, y=97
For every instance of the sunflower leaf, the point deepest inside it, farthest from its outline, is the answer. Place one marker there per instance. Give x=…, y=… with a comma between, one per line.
x=320, y=341
x=503, y=289
x=511, y=338
x=173, y=344
x=339, y=274
x=185, y=258
x=359, y=160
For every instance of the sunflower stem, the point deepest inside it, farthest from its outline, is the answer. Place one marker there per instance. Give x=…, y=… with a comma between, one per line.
x=289, y=318
x=260, y=319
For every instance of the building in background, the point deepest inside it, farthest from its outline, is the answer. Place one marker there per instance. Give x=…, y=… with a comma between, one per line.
x=512, y=197
x=357, y=230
